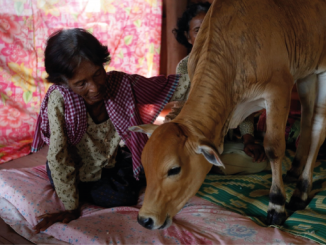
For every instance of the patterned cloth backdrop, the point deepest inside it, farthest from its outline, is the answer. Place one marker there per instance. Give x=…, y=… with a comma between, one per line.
x=130, y=28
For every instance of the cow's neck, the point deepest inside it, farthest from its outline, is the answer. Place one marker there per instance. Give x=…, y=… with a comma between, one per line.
x=208, y=116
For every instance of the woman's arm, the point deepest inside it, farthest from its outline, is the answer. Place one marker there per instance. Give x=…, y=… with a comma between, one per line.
x=182, y=67
x=61, y=165
x=179, y=97
x=182, y=90
x=60, y=162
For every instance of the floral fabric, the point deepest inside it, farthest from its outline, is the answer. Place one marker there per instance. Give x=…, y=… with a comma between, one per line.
x=130, y=28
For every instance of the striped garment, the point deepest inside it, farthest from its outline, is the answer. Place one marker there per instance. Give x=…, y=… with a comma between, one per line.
x=130, y=100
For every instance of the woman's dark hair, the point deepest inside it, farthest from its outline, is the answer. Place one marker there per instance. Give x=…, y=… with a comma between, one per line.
x=65, y=50
x=183, y=22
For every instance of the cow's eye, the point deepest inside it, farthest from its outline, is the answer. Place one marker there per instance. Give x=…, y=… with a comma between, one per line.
x=174, y=171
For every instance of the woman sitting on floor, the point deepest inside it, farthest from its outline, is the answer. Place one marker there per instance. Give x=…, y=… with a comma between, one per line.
x=237, y=157
x=84, y=116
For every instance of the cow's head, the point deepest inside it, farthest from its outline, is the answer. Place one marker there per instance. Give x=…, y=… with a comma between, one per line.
x=176, y=161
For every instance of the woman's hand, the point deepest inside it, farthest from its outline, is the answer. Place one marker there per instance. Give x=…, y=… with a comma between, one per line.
x=50, y=219
x=256, y=151
x=175, y=110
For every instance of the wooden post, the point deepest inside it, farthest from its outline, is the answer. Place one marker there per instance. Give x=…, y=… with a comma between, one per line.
x=171, y=51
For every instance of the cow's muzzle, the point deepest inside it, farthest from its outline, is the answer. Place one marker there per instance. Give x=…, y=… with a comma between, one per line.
x=146, y=222
x=149, y=223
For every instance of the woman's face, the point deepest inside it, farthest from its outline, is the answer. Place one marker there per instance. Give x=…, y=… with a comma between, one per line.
x=89, y=81
x=194, y=26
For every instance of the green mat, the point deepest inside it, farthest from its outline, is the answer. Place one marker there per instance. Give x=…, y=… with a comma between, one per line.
x=248, y=195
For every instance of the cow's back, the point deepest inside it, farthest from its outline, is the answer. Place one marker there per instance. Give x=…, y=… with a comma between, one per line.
x=244, y=41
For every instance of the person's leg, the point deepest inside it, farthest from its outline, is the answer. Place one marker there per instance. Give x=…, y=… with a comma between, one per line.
x=117, y=186
x=236, y=161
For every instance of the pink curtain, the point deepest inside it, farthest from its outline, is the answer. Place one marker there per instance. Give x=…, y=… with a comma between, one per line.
x=130, y=28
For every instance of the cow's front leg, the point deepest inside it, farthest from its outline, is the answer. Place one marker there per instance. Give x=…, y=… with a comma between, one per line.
x=300, y=197
x=277, y=109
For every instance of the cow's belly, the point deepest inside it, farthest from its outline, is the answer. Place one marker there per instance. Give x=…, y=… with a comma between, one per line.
x=244, y=109
x=320, y=69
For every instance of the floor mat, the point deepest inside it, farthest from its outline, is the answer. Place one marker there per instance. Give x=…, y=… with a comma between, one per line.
x=249, y=196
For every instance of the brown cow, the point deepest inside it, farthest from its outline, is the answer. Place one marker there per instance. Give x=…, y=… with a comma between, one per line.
x=247, y=55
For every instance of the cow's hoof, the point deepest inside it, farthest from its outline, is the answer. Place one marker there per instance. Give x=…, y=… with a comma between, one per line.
x=275, y=218
x=297, y=203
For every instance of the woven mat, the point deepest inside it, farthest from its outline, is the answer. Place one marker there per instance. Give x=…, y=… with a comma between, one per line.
x=249, y=196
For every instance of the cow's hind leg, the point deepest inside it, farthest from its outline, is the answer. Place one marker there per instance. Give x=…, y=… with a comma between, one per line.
x=300, y=197
x=277, y=109
x=307, y=92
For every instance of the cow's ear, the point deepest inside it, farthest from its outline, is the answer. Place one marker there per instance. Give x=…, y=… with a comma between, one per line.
x=210, y=154
x=145, y=128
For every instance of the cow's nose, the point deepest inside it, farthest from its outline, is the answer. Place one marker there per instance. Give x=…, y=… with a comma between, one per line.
x=146, y=222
